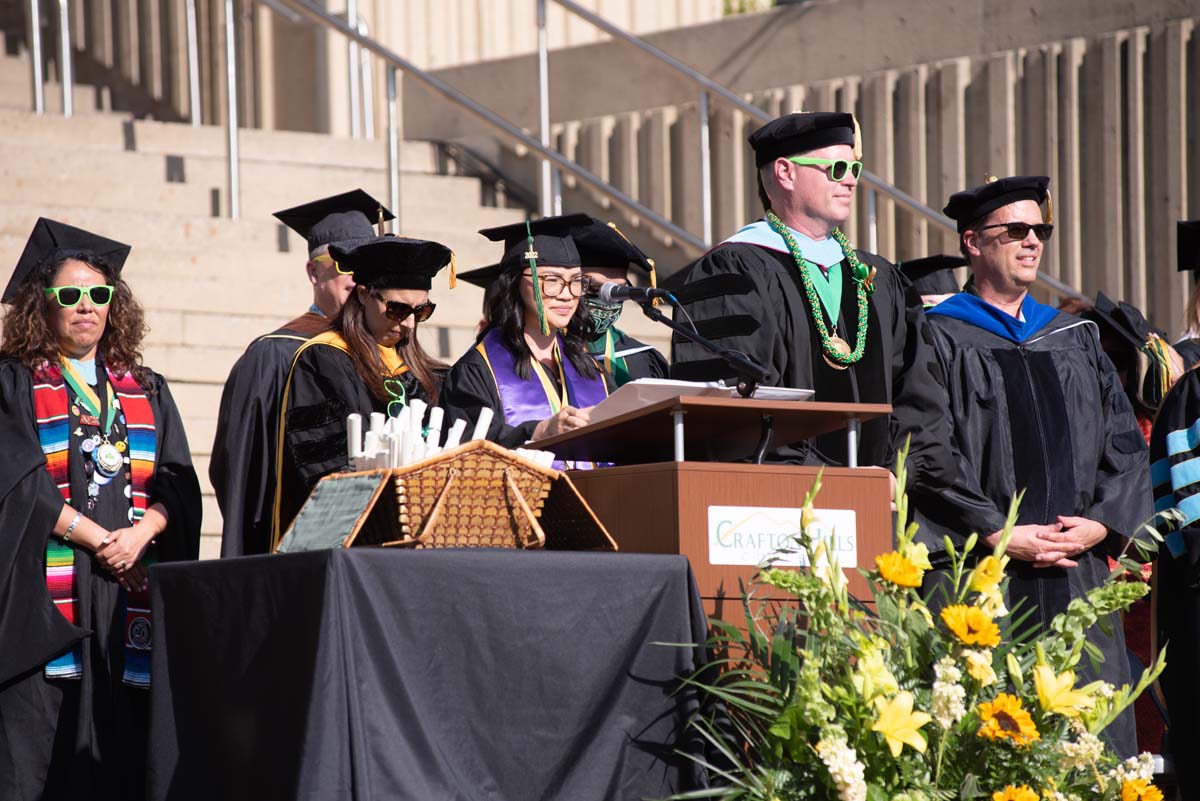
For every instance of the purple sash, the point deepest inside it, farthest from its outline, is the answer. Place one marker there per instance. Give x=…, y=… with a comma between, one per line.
x=524, y=400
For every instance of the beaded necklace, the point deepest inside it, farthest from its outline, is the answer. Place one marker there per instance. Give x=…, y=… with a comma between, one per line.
x=836, y=350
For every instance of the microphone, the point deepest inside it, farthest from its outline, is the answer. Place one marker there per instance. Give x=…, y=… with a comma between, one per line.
x=612, y=292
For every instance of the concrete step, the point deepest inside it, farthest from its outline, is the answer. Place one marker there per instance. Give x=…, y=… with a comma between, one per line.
x=43, y=184
x=16, y=93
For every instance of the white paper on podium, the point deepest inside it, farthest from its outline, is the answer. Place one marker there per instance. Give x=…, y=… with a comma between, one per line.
x=646, y=391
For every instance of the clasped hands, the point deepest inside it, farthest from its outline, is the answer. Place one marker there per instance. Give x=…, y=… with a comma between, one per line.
x=121, y=552
x=1053, y=544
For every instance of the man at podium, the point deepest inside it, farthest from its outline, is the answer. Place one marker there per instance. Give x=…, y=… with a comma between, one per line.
x=791, y=292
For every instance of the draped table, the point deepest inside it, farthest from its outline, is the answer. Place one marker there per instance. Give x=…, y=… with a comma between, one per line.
x=383, y=673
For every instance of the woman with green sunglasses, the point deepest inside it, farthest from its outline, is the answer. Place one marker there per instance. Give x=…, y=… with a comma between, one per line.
x=371, y=360
x=96, y=484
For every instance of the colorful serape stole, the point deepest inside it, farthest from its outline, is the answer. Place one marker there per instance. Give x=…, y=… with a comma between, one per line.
x=53, y=424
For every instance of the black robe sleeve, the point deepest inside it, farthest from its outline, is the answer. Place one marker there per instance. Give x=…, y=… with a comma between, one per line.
x=644, y=364
x=242, y=467
x=730, y=296
x=31, y=630
x=470, y=388
x=174, y=483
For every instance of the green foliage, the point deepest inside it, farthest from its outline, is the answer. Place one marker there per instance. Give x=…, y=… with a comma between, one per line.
x=831, y=698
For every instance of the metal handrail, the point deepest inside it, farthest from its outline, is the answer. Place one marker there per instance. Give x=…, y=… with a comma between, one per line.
x=514, y=133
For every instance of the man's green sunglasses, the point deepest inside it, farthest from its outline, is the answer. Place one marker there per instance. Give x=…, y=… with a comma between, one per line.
x=837, y=167
x=69, y=296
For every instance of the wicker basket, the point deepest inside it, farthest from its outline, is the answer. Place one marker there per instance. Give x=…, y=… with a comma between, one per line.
x=479, y=495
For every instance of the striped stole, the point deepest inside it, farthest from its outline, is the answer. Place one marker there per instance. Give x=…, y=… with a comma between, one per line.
x=51, y=403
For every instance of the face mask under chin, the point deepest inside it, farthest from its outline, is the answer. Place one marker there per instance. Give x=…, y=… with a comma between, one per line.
x=604, y=315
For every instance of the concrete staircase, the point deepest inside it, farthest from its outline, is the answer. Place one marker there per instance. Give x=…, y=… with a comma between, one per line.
x=211, y=284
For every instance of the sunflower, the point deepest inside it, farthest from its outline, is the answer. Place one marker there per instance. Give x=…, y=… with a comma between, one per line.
x=1010, y=793
x=1140, y=790
x=1004, y=719
x=896, y=569
x=971, y=625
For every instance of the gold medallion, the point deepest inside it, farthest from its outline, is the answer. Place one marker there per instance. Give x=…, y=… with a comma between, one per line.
x=839, y=346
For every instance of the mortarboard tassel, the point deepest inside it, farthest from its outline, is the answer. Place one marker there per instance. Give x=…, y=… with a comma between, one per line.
x=453, y=271
x=531, y=254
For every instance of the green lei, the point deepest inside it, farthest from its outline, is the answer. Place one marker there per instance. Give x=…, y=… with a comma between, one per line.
x=862, y=276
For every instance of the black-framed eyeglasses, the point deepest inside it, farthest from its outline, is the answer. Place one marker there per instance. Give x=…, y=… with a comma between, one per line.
x=70, y=296
x=552, y=284
x=398, y=311
x=1017, y=231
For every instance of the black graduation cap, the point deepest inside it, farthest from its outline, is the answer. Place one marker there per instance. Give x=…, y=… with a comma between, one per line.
x=50, y=237
x=552, y=242
x=339, y=218
x=1187, y=240
x=971, y=204
x=1121, y=318
x=393, y=262
x=603, y=245
x=1152, y=364
x=933, y=275
x=802, y=132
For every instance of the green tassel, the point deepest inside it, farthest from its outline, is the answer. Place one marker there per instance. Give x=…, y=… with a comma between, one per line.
x=537, y=285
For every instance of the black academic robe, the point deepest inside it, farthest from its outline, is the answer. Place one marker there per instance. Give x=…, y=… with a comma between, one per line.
x=470, y=387
x=1173, y=454
x=645, y=362
x=1189, y=351
x=1048, y=417
x=750, y=299
x=321, y=390
x=86, y=738
x=242, y=467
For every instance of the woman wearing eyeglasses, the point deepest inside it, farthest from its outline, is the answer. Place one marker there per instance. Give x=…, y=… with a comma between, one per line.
x=113, y=491
x=530, y=365
x=371, y=360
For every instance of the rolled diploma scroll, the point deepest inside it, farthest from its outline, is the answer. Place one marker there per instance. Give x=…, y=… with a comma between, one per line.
x=434, y=438
x=354, y=440
x=482, y=424
x=395, y=441
x=455, y=434
x=377, y=420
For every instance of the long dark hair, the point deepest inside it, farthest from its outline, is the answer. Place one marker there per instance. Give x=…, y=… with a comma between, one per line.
x=504, y=310
x=27, y=334
x=351, y=323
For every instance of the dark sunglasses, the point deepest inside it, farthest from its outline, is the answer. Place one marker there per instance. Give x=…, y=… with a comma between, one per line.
x=1017, y=231
x=69, y=296
x=398, y=311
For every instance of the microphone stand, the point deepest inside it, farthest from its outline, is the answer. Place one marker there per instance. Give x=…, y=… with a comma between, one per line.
x=750, y=373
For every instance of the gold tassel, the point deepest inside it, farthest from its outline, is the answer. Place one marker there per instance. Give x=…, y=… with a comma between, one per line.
x=379, y=223
x=858, y=147
x=453, y=271
x=1049, y=207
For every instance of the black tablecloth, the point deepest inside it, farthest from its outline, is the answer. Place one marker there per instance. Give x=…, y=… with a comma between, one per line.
x=385, y=674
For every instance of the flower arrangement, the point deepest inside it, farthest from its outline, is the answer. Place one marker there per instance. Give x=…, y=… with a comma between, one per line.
x=826, y=698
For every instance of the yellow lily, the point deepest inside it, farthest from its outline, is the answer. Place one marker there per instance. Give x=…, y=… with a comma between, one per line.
x=899, y=724
x=987, y=574
x=1058, y=694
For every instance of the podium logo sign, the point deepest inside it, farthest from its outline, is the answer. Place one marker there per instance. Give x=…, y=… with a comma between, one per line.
x=746, y=535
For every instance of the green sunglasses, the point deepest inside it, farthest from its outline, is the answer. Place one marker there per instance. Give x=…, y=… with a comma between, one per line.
x=69, y=296
x=837, y=167
x=399, y=396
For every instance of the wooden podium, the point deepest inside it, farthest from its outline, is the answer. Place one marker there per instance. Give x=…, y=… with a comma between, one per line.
x=679, y=507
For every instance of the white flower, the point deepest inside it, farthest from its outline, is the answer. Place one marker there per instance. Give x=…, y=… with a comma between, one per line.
x=948, y=703
x=1083, y=751
x=844, y=768
x=1138, y=767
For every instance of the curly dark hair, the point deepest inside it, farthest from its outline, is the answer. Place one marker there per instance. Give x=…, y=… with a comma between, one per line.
x=27, y=335
x=504, y=309
x=351, y=323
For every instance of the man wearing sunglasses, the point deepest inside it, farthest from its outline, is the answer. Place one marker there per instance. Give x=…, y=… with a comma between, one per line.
x=791, y=292
x=1036, y=407
x=242, y=467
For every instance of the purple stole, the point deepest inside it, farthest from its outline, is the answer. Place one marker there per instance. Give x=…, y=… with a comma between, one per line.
x=524, y=400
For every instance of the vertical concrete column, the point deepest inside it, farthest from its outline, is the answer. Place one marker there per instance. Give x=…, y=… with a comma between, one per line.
x=128, y=41
x=1002, y=113
x=879, y=153
x=1136, y=286
x=592, y=153
x=623, y=153
x=752, y=207
x=683, y=168
x=1168, y=171
x=337, y=70
x=654, y=159
x=1103, y=246
x=1038, y=131
x=846, y=94
x=264, y=66
x=100, y=30
x=567, y=142
x=153, y=79
x=1067, y=206
x=952, y=77
x=793, y=99
x=176, y=55
x=911, y=161
x=728, y=144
